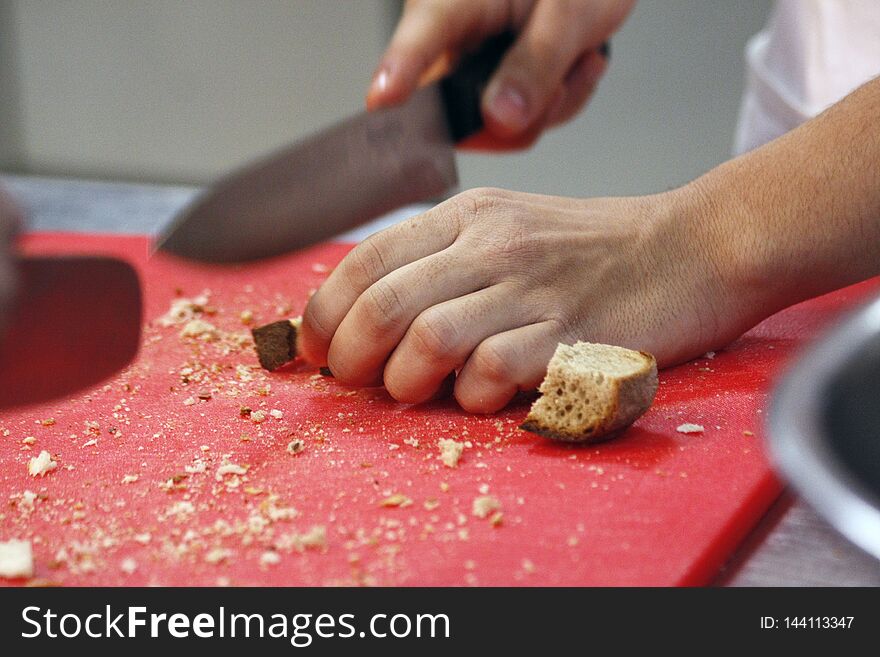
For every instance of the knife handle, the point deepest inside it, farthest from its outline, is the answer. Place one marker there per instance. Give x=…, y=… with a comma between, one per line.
x=463, y=89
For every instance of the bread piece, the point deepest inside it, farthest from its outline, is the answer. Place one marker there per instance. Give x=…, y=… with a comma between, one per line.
x=276, y=342
x=592, y=392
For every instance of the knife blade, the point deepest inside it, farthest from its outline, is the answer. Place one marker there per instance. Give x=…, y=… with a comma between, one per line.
x=77, y=321
x=341, y=177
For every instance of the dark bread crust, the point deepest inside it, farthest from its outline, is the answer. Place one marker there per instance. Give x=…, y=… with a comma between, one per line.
x=597, y=436
x=275, y=344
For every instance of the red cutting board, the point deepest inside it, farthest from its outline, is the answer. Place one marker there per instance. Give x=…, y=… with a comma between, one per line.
x=654, y=507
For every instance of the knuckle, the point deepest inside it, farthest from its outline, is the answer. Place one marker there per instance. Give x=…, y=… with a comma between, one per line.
x=492, y=362
x=435, y=334
x=366, y=263
x=314, y=318
x=480, y=200
x=383, y=309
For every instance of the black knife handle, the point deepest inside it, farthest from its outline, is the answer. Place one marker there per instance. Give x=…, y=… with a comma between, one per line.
x=463, y=89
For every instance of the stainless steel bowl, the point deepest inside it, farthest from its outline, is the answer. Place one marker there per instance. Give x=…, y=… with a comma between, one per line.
x=824, y=425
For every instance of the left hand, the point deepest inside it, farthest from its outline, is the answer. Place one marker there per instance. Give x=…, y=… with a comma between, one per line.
x=488, y=283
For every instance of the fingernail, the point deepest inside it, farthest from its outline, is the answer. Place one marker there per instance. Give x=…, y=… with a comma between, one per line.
x=380, y=80
x=508, y=106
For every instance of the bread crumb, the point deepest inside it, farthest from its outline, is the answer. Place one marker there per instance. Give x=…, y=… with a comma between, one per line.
x=218, y=555
x=496, y=519
x=128, y=566
x=270, y=558
x=183, y=310
x=398, y=499
x=295, y=446
x=143, y=539
x=199, y=328
x=229, y=468
x=484, y=505
x=246, y=317
x=689, y=427
x=450, y=451
x=278, y=415
x=257, y=416
x=38, y=466
x=130, y=479
x=28, y=440
x=16, y=559
x=748, y=433
x=189, y=401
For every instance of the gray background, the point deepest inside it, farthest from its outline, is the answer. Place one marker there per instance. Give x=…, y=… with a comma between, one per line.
x=172, y=91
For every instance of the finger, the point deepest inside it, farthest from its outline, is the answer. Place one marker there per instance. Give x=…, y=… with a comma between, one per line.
x=442, y=337
x=504, y=364
x=578, y=86
x=526, y=82
x=426, y=30
x=370, y=261
x=382, y=315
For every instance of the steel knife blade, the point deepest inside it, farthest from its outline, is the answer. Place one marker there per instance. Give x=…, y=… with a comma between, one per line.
x=341, y=177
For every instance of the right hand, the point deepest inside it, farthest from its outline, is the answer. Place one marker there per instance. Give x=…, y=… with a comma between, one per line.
x=11, y=219
x=547, y=76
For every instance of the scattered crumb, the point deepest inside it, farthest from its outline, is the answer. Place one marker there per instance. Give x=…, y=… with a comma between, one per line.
x=270, y=558
x=16, y=559
x=450, y=451
x=709, y=354
x=218, y=555
x=246, y=317
x=128, y=566
x=688, y=427
x=278, y=415
x=130, y=479
x=257, y=416
x=485, y=505
x=42, y=464
x=199, y=328
x=748, y=433
x=183, y=310
x=189, y=401
x=316, y=537
x=398, y=499
x=295, y=446
x=229, y=468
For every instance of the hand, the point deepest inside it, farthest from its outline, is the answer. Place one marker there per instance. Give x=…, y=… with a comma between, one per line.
x=10, y=221
x=487, y=283
x=545, y=78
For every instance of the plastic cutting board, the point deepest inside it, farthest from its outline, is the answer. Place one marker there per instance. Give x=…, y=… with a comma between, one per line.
x=155, y=485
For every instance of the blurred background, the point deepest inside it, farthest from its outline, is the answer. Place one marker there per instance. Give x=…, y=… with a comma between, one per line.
x=177, y=91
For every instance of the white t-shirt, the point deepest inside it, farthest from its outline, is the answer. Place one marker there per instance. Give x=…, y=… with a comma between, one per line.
x=811, y=54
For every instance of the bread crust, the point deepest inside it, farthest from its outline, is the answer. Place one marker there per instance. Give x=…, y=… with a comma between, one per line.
x=276, y=343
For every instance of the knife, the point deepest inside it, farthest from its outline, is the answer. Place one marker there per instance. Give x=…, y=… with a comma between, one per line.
x=341, y=177
x=77, y=321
